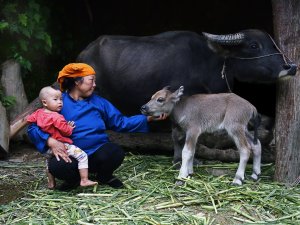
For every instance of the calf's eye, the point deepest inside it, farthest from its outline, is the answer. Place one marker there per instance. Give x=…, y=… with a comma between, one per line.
x=160, y=100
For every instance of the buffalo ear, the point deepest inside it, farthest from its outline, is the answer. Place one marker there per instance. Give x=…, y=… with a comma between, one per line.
x=221, y=44
x=177, y=94
x=218, y=48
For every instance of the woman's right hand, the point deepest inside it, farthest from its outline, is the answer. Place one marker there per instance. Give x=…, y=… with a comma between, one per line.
x=58, y=149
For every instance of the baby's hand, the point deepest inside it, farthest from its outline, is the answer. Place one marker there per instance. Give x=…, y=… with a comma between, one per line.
x=71, y=123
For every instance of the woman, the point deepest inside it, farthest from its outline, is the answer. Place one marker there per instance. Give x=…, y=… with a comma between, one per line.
x=92, y=115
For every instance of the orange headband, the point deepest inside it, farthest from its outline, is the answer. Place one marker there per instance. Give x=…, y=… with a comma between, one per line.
x=75, y=70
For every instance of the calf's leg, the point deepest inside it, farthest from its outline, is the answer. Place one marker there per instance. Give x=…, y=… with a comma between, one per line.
x=178, y=137
x=239, y=137
x=256, y=148
x=188, y=153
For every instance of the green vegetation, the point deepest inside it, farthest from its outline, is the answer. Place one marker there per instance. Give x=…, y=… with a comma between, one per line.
x=23, y=36
x=7, y=101
x=23, y=30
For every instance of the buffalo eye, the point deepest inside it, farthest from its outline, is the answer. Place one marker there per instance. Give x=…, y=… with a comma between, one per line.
x=254, y=45
x=160, y=100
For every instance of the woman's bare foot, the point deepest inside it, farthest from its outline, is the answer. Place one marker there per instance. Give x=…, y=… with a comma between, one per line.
x=86, y=183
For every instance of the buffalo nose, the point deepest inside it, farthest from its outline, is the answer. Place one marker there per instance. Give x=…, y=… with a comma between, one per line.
x=291, y=68
x=286, y=66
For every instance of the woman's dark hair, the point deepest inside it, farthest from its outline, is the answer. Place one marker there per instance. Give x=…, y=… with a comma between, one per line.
x=69, y=83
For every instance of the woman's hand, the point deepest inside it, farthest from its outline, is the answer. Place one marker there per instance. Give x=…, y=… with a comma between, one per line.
x=161, y=117
x=58, y=149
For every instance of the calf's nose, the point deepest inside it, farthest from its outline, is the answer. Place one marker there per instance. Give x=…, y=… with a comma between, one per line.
x=144, y=108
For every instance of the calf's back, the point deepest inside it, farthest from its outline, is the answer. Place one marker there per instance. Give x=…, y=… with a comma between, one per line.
x=212, y=111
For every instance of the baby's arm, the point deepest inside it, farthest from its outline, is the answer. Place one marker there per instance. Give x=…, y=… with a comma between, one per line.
x=65, y=128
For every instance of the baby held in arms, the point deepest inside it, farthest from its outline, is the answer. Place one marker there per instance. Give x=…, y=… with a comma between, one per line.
x=53, y=123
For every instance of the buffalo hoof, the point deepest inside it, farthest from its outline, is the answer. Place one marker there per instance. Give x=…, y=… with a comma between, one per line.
x=177, y=164
x=197, y=162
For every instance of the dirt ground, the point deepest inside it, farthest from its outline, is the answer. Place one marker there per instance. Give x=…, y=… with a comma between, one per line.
x=20, y=171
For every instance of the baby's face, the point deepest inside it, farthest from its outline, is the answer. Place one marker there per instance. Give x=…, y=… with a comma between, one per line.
x=53, y=100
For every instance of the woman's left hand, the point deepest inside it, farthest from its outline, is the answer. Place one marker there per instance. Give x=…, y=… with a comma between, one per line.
x=161, y=117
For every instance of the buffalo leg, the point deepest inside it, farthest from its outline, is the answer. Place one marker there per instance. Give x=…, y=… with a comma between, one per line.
x=178, y=141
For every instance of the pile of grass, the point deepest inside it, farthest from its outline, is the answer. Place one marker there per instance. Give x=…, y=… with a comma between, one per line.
x=150, y=197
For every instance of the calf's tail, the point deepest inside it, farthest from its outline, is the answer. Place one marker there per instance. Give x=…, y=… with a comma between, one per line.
x=256, y=120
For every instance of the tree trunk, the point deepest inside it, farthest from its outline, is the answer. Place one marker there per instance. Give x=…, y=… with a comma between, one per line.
x=287, y=132
x=13, y=86
x=216, y=146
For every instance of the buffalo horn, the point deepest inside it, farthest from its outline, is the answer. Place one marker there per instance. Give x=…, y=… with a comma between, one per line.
x=226, y=39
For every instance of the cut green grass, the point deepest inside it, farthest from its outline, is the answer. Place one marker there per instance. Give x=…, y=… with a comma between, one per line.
x=150, y=197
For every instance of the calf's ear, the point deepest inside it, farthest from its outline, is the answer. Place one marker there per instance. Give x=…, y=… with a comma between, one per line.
x=177, y=94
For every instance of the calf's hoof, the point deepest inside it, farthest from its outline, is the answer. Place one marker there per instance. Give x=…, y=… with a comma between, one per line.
x=255, y=176
x=179, y=183
x=237, y=182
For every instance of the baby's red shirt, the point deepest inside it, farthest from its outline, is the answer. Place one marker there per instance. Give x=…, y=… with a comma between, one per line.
x=52, y=123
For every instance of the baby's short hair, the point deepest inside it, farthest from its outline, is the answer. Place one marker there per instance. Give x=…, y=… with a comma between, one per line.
x=45, y=91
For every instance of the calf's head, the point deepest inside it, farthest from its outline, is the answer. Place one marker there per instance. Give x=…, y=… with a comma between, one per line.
x=162, y=101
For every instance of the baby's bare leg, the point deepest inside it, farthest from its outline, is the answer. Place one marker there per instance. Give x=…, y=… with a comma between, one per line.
x=51, y=180
x=50, y=177
x=82, y=159
x=84, y=178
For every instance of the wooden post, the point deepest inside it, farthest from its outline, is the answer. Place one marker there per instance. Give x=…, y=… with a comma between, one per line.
x=287, y=131
x=13, y=86
x=4, y=132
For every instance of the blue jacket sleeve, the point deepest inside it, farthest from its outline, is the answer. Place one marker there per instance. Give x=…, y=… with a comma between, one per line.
x=116, y=121
x=38, y=137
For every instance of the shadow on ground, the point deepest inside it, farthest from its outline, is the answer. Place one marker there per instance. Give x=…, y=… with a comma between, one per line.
x=20, y=171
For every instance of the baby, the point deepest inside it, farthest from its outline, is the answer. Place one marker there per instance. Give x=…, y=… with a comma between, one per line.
x=53, y=123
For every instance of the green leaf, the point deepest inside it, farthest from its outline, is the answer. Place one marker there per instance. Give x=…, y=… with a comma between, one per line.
x=48, y=40
x=14, y=28
x=24, y=23
x=8, y=101
x=23, y=45
x=3, y=25
x=25, y=63
x=37, y=17
x=23, y=19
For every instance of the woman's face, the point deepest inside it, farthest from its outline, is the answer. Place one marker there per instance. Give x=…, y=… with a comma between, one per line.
x=86, y=86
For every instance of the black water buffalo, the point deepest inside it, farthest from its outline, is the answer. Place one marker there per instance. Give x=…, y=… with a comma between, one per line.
x=130, y=69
